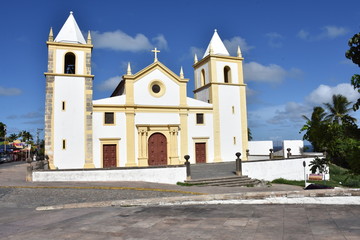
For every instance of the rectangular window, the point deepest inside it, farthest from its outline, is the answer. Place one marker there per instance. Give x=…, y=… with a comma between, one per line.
x=199, y=118
x=63, y=144
x=233, y=109
x=234, y=140
x=63, y=105
x=109, y=118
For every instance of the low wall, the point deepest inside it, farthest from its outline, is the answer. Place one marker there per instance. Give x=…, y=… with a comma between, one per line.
x=168, y=175
x=290, y=169
x=260, y=147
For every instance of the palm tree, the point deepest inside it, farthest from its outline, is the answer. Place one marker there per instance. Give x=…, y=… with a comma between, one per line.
x=339, y=110
x=315, y=127
x=12, y=137
x=25, y=136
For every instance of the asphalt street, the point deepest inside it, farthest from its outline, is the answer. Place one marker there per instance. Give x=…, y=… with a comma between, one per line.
x=113, y=211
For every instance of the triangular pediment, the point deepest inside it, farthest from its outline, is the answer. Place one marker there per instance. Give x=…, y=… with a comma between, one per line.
x=156, y=66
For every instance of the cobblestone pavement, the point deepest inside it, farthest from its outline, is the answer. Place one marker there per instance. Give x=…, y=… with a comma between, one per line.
x=256, y=222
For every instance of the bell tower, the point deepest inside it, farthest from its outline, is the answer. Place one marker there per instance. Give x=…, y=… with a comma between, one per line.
x=68, y=104
x=219, y=80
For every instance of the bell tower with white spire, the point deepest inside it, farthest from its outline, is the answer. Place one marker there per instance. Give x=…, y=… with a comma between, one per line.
x=68, y=106
x=219, y=80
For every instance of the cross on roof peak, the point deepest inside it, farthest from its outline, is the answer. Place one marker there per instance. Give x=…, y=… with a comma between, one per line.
x=155, y=51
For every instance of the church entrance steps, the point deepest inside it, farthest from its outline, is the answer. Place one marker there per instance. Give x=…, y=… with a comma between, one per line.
x=232, y=181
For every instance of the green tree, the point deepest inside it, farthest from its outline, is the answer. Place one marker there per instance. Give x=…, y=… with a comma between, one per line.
x=315, y=128
x=335, y=129
x=25, y=136
x=12, y=137
x=2, y=129
x=250, y=138
x=353, y=53
x=339, y=110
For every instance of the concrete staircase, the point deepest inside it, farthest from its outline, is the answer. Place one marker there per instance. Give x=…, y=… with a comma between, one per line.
x=232, y=181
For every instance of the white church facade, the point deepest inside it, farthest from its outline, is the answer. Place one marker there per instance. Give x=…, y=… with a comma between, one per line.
x=148, y=120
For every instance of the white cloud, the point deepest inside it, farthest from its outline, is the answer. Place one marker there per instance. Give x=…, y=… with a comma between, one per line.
x=292, y=112
x=324, y=93
x=303, y=34
x=272, y=73
x=232, y=45
x=198, y=51
x=274, y=39
x=109, y=84
x=120, y=41
x=9, y=91
x=327, y=32
x=333, y=31
x=160, y=42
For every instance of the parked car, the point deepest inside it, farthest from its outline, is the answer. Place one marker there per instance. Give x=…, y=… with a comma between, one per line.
x=5, y=158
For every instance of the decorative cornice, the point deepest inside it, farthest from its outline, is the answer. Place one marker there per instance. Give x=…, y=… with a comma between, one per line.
x=68, y=75
x=70, y=44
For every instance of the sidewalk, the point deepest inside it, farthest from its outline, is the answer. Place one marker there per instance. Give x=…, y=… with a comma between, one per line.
x=13, y=176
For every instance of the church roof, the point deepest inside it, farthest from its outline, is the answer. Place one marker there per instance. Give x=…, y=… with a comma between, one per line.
x=217, y=46
x=70, y=32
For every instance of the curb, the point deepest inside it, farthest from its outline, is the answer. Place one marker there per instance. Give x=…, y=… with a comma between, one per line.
x=208, y=198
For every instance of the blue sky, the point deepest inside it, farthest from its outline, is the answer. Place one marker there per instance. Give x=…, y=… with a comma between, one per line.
x=293, y=50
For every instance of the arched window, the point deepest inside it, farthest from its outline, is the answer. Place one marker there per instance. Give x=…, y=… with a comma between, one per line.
x=227, y=74
x=69, y=66
x=202, y=78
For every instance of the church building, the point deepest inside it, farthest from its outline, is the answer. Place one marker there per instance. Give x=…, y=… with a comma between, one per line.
x=149, y=119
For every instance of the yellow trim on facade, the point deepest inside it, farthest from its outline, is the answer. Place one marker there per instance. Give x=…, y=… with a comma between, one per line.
x=148, y=108
x=244, y=124
x=183, y=134
x=66, y=45
x=68, y=75
x=130, y=138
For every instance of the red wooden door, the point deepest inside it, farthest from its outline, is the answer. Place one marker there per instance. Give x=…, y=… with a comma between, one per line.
x=200, y=152
x=157, y=148
x=109, y=155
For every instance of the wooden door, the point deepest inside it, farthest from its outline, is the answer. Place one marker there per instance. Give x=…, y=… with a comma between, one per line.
x=200, y=152
x=109, y=155
x=157, y=148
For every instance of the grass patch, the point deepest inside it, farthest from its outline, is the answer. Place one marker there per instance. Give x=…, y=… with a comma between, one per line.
x=339, y=177
x=184, y=184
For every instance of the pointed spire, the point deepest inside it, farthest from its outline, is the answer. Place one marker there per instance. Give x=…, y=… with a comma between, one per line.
x=70, y=32
x=195, y=59
x=128, y=69
x=211, y=50
x=51, y=35
x=218, y=47
x=181, y=73
x=239, y=54
x=88, y=41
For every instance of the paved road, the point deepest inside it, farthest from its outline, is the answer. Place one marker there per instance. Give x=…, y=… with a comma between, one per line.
x=185, y=222
x=20, y=220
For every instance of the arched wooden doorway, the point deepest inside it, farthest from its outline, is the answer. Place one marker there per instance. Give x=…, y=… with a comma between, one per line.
x=157, y=148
